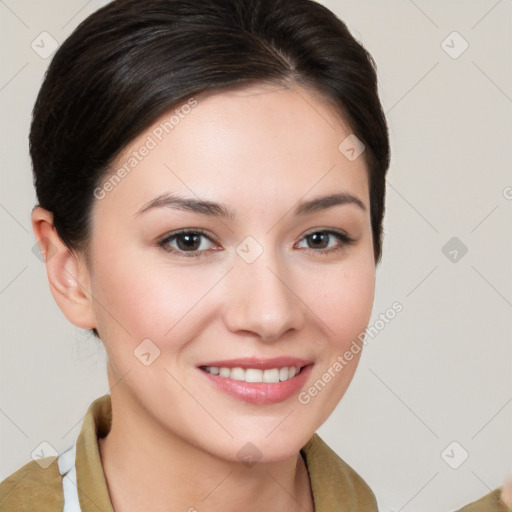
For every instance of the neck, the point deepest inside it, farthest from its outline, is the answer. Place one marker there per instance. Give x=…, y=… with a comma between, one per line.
x=148, y=468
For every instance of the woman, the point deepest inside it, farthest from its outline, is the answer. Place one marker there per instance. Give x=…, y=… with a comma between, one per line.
x=211, y=180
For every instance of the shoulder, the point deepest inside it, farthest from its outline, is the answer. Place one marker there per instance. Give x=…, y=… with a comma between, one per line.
x=35, y=486
x=489, y=503
x=333, y=481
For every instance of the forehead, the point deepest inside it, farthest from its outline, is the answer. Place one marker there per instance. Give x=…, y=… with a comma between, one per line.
x=264, y=139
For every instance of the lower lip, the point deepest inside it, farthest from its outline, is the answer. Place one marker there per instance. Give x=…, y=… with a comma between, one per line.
x=260, y=393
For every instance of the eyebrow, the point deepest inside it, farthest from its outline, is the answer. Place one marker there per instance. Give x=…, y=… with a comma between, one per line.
x=210, y=208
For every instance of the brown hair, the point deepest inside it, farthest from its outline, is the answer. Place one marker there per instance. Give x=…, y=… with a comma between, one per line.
x=133, y=60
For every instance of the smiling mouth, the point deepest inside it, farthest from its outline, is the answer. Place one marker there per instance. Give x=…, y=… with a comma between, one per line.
x=268, y=376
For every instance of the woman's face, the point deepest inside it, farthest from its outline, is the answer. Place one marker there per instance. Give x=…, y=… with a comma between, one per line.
x=251, y=289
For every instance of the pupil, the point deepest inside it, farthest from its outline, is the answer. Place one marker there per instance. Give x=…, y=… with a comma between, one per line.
x=190, y=241
x=318, y=236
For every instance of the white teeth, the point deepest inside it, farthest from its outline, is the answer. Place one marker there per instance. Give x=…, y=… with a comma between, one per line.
x=237, y=374
x=224, y=372
x=254, y=374
x=271, y=375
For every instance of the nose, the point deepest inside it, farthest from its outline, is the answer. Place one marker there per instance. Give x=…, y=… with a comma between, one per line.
x=262, y=299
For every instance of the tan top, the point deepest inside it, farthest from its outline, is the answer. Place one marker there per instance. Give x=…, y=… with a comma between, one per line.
x=336, y=487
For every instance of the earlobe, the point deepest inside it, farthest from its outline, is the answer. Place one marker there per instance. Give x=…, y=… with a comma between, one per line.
x=67, y=273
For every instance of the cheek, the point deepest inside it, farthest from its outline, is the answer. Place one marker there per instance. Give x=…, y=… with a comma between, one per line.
x=139, y=300
x=345, y=309
x=345, y=304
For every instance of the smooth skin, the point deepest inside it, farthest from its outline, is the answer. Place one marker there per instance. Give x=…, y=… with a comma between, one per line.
x=260, y=150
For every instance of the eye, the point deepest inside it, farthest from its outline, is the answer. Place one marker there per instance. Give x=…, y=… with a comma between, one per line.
x=188, y=242
x=318, y=239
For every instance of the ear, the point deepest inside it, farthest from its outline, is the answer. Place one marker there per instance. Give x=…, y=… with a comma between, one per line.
x=67, y=272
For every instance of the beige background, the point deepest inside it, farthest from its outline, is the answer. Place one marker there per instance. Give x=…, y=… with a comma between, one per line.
x=437, y=373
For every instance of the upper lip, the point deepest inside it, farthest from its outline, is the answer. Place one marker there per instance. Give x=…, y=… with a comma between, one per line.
x=260, y=363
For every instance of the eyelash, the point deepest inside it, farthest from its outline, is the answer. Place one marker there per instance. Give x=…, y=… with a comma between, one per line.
x=343, y=237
